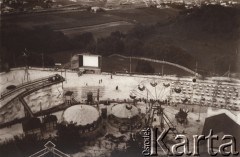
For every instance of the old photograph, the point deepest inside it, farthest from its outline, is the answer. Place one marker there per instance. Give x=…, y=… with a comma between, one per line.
x=119, y=78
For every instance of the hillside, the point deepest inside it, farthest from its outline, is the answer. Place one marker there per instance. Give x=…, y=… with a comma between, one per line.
x=207, y=37
x=209, y=34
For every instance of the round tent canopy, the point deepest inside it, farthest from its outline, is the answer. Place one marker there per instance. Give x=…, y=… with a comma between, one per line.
x=141, y=87
x=132, y=96
x=124, y=111
x=166, y=84
x=154, y=84
x=184, y=100
x=194, y=79
x=177, y=90
x=81, y=115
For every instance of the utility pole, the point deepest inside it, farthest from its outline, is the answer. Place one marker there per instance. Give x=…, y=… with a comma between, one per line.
x=198, y=120
x=130, y=68
x=26, y=73
x=14, y=59
x=71, y=61
x=147, y=102
x=66, y=74
x=42, y=61
x=98, y=91
x=229, y=68
x=196, y=69
x=162, y=67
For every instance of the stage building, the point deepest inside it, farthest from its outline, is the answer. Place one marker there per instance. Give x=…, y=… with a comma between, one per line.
x=86, y=63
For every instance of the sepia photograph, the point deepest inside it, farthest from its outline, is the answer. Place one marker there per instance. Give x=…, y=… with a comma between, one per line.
x=119, y=78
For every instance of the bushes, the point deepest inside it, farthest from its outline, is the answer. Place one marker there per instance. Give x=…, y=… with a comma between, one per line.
x=37, y=41
x=144, y=67
x=21, y=146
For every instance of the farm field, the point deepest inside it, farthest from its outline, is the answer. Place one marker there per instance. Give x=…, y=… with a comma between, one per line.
x=99, y=30
x=146, y=16
x=79, y=21
x=58, y=20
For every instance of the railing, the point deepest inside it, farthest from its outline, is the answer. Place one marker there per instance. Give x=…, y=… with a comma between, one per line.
x=24, y=85
x=158, y=61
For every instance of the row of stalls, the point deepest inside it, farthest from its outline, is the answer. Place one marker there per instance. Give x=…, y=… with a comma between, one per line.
x=88, y=119
x=37, y=126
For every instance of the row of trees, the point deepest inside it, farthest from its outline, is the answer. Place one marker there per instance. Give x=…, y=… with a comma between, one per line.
x=27, y=4
x=137, y=42
x=67, y=140
x=41, y=40
x=45, y=40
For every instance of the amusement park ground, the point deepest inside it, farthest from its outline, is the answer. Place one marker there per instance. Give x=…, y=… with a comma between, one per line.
x=49, y=97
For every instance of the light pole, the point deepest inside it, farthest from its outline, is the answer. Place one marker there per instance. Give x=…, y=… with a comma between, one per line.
x=198, y=120
x=42, y=61
x=130, y=67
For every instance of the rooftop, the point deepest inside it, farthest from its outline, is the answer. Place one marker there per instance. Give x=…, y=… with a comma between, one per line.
x=81, y=114
x=124, y=110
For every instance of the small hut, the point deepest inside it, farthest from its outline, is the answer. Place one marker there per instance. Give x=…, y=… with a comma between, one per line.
x=68, y=97
x=32, y=126
x=89, y=97
x=50, y=122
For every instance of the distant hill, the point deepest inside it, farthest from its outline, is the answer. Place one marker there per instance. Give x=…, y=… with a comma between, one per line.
x=207, y=37
x=213, y=19
x=210, y=34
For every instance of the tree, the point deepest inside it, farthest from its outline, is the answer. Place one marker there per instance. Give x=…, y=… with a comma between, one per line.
x=144, y=67
x=110, y=45
x=134, y=46
x=85, y=41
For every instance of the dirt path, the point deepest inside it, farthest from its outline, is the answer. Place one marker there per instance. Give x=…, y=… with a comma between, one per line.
x=72, y=31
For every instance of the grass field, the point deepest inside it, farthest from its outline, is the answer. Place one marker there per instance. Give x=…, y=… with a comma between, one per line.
x=146, y=16
x=59, y=20
x=99, y=30
x=79, y=21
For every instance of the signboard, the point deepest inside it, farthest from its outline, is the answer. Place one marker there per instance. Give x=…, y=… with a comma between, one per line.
x=90, y=61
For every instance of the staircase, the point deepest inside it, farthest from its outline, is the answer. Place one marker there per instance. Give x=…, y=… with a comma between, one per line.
x=93, y=89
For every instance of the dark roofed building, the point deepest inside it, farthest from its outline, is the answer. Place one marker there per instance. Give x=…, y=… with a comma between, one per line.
x=221, y=124
x=50, y=122
x=69, y=93
x=32, y=126
x=68, y=97
x=86, y=63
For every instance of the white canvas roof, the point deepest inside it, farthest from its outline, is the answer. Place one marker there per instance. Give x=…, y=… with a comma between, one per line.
x=81, y=114
x=124, y=110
